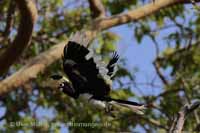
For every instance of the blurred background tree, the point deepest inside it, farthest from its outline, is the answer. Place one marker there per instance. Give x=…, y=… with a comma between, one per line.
x=33, y=34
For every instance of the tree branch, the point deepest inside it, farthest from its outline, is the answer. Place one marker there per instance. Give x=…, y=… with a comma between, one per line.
x=139, y=13
x=28, y=13
x=97, y=9
x=178, y=123
x=39, y=63
x=32, y=68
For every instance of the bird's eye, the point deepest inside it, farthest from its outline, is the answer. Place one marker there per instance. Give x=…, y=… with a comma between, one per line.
x=62, y=85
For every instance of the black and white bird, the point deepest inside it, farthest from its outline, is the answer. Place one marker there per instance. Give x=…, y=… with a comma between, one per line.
x=88, y=76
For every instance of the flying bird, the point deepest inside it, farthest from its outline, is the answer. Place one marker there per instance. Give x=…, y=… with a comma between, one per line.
x=87, y=75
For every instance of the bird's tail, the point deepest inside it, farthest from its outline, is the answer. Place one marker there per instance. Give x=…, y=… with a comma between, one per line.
x=134, y=106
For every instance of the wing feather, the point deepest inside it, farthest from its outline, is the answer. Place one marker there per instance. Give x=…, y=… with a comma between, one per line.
x=112, y=63
x=74, y=59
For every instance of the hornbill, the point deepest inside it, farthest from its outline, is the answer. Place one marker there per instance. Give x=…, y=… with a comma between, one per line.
x=88, y=76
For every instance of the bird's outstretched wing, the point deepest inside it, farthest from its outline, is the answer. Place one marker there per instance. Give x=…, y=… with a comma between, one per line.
x=75, y=59
x=112, y=63
x=82, y=70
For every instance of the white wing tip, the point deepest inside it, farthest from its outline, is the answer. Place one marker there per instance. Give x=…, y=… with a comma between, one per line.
x=79, y=37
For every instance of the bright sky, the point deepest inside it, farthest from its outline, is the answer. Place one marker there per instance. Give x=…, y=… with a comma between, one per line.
x=141, y=56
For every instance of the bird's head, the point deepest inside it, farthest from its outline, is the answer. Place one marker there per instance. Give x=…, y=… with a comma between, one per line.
x=63, y=81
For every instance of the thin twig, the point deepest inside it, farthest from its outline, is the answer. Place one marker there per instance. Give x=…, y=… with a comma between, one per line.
x=157, y=68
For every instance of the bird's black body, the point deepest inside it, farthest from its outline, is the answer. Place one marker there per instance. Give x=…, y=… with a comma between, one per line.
x=83, y=73
x=87, y=75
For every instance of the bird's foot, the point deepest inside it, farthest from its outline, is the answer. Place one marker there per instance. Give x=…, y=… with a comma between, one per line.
x=109, y=109
x=110, y=113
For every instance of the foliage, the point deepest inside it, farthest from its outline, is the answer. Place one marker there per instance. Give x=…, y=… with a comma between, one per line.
x=57, y=20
